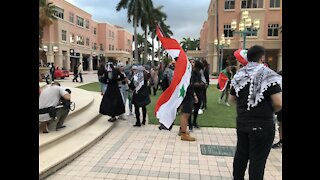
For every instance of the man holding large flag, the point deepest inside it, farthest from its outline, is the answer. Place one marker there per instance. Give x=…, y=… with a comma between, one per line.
x=178, y=90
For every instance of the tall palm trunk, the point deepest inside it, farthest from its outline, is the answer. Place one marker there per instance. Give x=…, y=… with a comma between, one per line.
x=159, y=50
x=135, y=23
x=152, y=51
x=145, y=53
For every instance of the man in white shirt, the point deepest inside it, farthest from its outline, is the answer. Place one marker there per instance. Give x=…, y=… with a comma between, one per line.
x=80, y=70
x=48, y=102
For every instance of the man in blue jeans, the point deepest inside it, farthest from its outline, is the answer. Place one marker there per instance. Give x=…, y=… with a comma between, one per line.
x=257, y=91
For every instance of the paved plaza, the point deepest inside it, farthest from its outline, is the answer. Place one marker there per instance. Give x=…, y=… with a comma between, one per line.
x=147, y=153
x=128, y=152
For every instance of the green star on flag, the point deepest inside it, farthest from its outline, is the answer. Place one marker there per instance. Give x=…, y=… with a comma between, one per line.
x=182, y=91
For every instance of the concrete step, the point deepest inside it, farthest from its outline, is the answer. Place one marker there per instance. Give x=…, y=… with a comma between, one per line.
x=82, y=99
x=73, y=123
x=63, y=152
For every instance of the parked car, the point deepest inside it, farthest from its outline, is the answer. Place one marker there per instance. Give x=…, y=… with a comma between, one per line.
x=61, y=73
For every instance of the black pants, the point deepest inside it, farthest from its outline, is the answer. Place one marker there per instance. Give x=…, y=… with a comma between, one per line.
x=80, y=75
x=204, y=103
x=254, y=144
x=75, y=78
x=196, y=107
x=137, y=112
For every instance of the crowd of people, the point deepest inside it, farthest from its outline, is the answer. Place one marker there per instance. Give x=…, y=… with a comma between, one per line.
x=254, y=88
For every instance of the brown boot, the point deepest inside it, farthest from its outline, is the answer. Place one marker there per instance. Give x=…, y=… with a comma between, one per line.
x=44, y=127
x=179, y=134
x=186, y=137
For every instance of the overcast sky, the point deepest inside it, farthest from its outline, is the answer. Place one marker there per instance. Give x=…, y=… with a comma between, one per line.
x=185, y=17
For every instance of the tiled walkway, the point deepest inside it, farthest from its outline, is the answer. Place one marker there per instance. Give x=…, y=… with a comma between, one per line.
x=147, y=153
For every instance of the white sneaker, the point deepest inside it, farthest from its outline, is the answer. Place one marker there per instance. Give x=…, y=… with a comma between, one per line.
x=122, y=116
x=227, y=104
x=200, y=111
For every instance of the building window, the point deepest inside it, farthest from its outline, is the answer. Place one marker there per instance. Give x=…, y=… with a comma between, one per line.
x=112, y=47
x=71, y=17
x=273, y=30
x=87, y=24
x=112, y=35
x=87, y=42
x=251, y=4
x=129, y=42
x=94, y=46
x=71, y=38
x=109, y=47
x=80, y=21
x=229, y=4
x=80, y=40
x=227, y=30
x=59, y=12
x=109, y=33
x=95, y=31
x=274, y=3
x=252, y=32
x=101, y=47
x=64, y=35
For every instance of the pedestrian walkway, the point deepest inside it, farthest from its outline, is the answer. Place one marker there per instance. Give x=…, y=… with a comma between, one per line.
x=146, y=153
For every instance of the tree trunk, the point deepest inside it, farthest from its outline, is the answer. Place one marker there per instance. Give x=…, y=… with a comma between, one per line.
x=159, y=50
x=135, y=22
x=152, y=51
x=145, y=53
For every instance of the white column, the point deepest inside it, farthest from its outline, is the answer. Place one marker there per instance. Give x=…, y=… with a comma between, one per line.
x=67, y=61
x=90, y=63
x=279, y=65
x=58, y=59
x=50, y=57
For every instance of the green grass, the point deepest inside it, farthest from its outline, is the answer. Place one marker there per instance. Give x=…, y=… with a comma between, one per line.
x=91, y=87
x=217, y=115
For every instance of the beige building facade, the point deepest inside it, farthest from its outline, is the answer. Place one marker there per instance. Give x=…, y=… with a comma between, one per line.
x=75, y=37
x=220, y=15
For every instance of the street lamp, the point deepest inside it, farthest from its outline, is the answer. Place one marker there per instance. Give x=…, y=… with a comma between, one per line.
x=55, y=49
x=223, y=43
x=245, y=23
x=45, y=48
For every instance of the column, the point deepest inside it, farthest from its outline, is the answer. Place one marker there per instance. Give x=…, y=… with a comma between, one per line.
x=212, y=54
x=58, y=59
x=50, y=57
x=90, y=63
x=279, y=60
x=67, y=65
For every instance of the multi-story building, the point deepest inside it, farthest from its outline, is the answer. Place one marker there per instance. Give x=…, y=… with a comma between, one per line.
x=220, y=15
x=75, y=37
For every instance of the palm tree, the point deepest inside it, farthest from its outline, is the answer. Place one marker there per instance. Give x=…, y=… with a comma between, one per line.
x=167, y=32
x=188, y=44
x=145, y=22
x=46, y=17
x=136, y=8
x=160, y=17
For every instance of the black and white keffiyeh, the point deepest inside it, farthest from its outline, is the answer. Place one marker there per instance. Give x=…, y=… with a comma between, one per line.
x=138, y=78
x=260, y=78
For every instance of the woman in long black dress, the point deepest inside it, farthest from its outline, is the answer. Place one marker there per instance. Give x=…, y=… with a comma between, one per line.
x=112, y=103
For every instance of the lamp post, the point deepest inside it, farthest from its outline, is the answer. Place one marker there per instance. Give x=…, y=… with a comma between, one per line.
x=220, y=46
x=245, y=23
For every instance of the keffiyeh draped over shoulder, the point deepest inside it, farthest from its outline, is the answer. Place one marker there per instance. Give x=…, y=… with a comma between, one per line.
x=138, y=78
x=260, y=78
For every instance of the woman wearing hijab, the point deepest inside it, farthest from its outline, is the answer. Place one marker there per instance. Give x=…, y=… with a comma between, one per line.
x=140, y=97
x=112, y=102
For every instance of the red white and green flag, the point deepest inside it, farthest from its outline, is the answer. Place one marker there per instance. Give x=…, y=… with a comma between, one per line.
x=172, y=97
x=222, y=81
